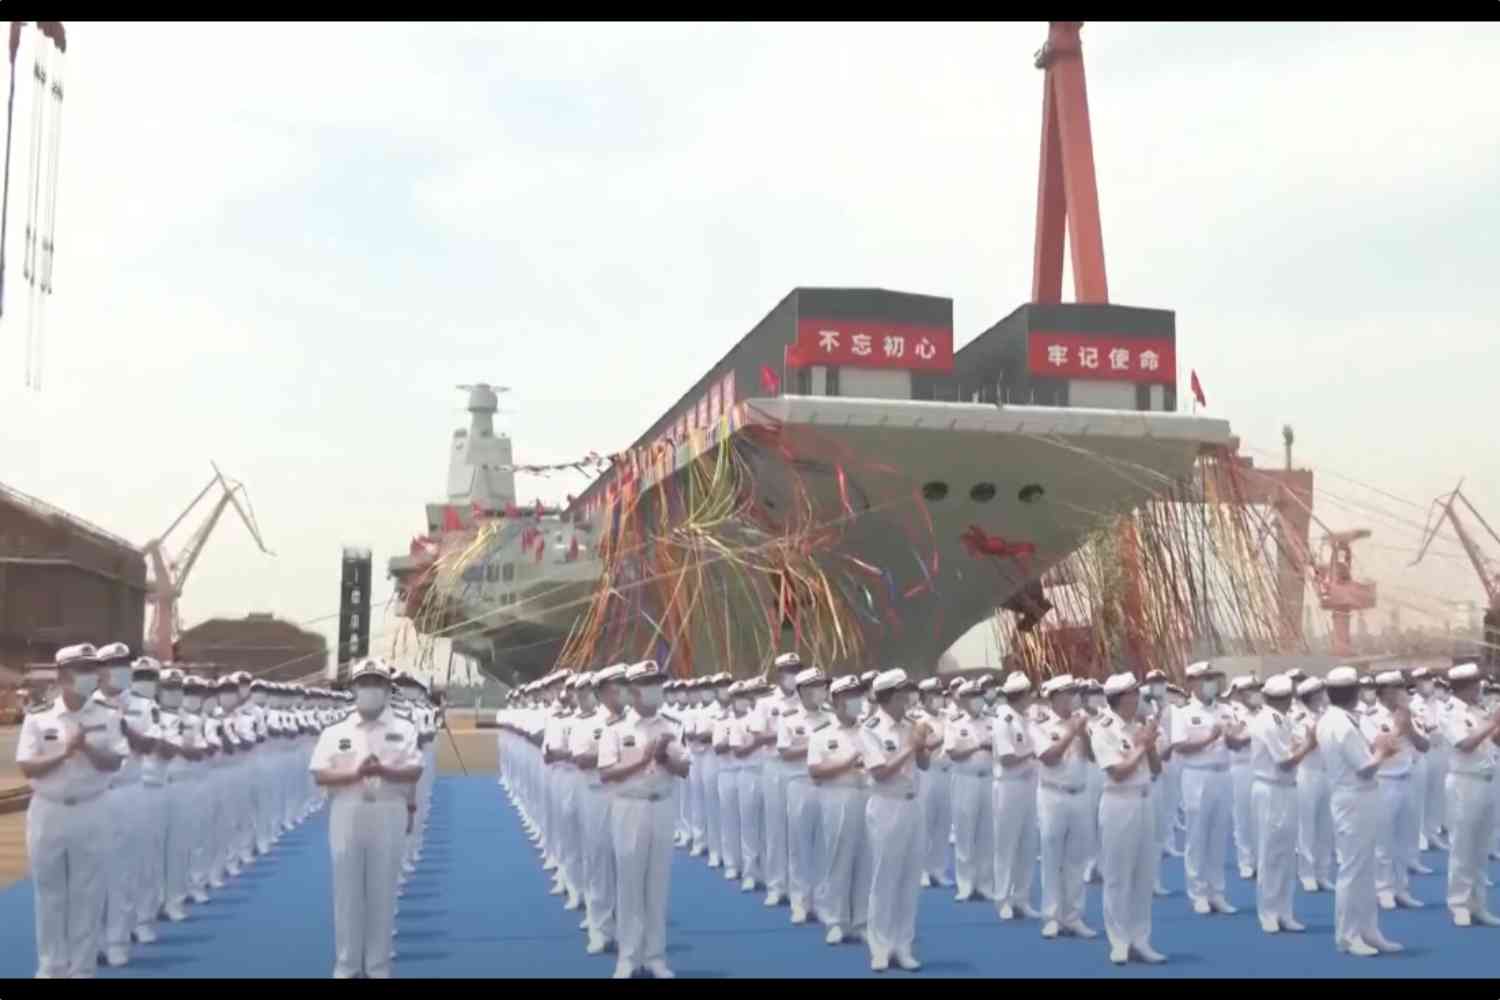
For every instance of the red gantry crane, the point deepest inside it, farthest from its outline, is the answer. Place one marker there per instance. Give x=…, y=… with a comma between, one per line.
x=170, y=576
x=1489, y=579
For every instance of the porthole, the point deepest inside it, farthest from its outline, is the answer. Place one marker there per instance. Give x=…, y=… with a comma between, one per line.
x=935, y=491
x=982, y=492
x=1031, y=493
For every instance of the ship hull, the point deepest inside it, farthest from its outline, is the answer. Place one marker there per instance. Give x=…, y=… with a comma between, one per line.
x=890, y=489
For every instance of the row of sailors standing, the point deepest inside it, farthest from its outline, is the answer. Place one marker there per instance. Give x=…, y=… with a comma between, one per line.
x=149, y=788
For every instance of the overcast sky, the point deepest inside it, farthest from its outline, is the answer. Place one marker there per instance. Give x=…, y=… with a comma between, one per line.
x=280, y=247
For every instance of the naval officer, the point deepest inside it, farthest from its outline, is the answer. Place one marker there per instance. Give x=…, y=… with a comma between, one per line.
x=639, y=759
x=1399, y=826
x=368, y=763
x=1472, y=735
x=836, y=767
x=1014, y=788
x=1351, y=761
x=67, y=752
x=1060, y=729
x=1277, y=750
x=792, y=743
x=969, y=744
x=1204, y=734
x=1125, y=750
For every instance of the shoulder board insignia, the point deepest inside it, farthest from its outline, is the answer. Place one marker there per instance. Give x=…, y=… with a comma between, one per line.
x=1276, y=716
x=1197, y=721
x=964, y=733
x=598, y=733
x=1105, y=722
x=872, y=722
x=346, y=745
x=1384, y=728
x=669, y=718
x=890, y=746
x=49, y=734
x=155, y=715
x=393, y=737
x=628, y=741
x=616, y=719
x=822, y=726
x=833, y=744
x=790, y=712
x=1056, y=738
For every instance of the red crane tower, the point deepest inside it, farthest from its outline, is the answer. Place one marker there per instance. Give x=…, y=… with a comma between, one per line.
x=1489, y=579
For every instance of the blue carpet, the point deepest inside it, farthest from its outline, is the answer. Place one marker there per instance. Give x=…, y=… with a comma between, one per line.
x=479, y=907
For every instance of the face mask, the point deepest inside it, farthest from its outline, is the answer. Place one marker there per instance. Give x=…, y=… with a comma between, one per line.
x=973, y=705
x=143, y=689
x=991, y=695
x=192, y=703
x=815, y=698
x=85, y=684
x=1255, y=699
x=170, y=698
x=119, y=678
x=369, y=701
x=787, y=684
x=741, y=706
x=1096, y=702
x=1210, y=690
x=853, y=707
x=1425, y=689
x=651, y=697
x=244, y=691
x=1158, y=691
x=1367, y=696
x=259, y=698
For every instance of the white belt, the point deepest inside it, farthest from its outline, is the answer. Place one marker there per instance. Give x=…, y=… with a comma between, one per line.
x=1133, y=791
x=960, y=772
x=1276, y=781
x=637, y=797
x=1205, y=767
x=1393, y=777
x=894, y=796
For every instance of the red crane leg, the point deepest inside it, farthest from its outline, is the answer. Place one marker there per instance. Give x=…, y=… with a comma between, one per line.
x=1051, y=209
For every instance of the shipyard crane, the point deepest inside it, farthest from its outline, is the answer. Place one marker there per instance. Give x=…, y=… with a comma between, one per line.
x=1489, y=579
x=170, y=576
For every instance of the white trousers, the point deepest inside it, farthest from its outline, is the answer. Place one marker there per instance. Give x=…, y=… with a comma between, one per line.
x=181, y=833
x=1396, y=835
x=713, y=805
x=1166, y=793
x=569, y=824
x=973, y=801
x=1207, y=798
x=1127, y=860
x=1434, y=812
x=936, y=786
x=599, y=862
x=895, y=829
x=366, y=840
x=1016, y=839
x=1471, y=821
x=642, y=834
x=1275, y=806
x=842, y=896
x=729, y=817
x=127, y=806
x=752, y=827
x=697, y=808
x=776, y=822
x=1314, y=826
x=153, y=894
x=1242, y=777
x=67, y=847
x=1356, y=815
x=1066, y=830
x=803, y=853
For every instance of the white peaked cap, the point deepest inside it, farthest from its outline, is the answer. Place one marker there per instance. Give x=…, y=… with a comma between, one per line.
x=1342, y=677
x=1242, y=682
x=930, y=686
x=848, y=682
x=890, y=680
x=1278, y=686
x=646, y=670
x=1054, y=685
x=970, y=689
x=810, y=676
x=83, y=653
x=1119, y=684
x=1462, y=672
x=1016, y=683
x=788, y=661
x=1200, y=669
x=1390, y=678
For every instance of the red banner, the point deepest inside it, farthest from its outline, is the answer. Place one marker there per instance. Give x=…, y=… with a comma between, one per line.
x=860, y=344
x=1102, y=357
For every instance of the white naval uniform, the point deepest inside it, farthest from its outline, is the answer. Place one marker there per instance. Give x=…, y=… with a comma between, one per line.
x=1397, y=827
x=727, y=731
x=895, y=828
x=1314, y=814
x=1014, y=792
x=1274, y=802
x=935, y=790
x=641, y=824
x=179, y=829
x=1470, y=812
x=1241, y=779
x=68, y=836
x=775, y=774
x=366, y=833
x=598, y=840
x=973, y=800
x=563, y=779
x=1355, y=802
x=752, y=802
x=1065, y=826
x=1207, y=796
x=1164, y=788
x=127, y=808
x=842, y=896
x=803, y=861
x=1127, y=834
x=1430, y=711
x=714, y=720
x=696, y=725
x=155, y=799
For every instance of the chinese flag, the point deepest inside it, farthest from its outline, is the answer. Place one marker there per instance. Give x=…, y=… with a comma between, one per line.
x=769, y=381
x=450, y=520
x=794, y=358
x=1197, y=389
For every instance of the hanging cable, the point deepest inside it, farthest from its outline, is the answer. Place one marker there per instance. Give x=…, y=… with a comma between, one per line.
x=28, y=259
x=10, y=115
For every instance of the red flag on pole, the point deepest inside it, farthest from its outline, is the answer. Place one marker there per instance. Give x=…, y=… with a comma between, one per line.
x=450, y=520
x=1197, y=389
x=769, y=381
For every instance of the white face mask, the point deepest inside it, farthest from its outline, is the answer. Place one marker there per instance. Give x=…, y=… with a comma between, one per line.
x=170, y=698
x=143, y=689
x=815, y=698
x=259, y=698
x=991, y=695
x=1210, y=690
x=1425, y=689
x=1254, y=699
x=370, y=700
x=741, y=706
x=973, y=705
x=119, y=678
x=192, y=703
x=1096, y=702
x=1367, y=696
x=854, y=707
x=651, y=696
x=244, y=692
x=787, y=683
x=85, y=684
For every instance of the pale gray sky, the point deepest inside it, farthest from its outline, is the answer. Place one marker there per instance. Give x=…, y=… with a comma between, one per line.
x=281, y=246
